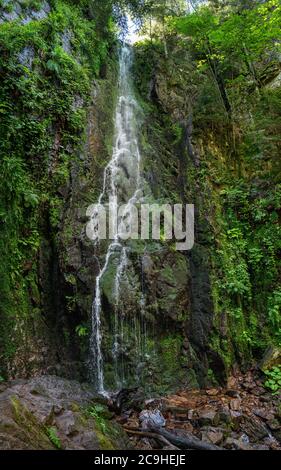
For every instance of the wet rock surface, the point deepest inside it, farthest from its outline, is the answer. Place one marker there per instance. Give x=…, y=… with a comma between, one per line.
x=49, y=412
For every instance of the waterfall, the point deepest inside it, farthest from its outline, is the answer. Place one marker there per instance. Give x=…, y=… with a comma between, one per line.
x=121, y=184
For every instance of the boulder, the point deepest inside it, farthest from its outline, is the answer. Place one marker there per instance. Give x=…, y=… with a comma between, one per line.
x=153, y=417
x=212, y=392
x=232, y=393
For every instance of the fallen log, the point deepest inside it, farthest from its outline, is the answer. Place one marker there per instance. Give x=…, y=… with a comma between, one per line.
x=151, y=435
x=186, y=442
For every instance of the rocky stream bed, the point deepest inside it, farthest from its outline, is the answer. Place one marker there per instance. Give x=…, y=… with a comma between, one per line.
x=50, y=412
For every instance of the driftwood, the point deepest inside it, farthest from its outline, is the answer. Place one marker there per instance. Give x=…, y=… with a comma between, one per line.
x=186, y=442
x=151, y=435
x=180, y=442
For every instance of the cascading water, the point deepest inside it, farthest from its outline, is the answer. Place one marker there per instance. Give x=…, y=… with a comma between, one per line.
x=122, y=185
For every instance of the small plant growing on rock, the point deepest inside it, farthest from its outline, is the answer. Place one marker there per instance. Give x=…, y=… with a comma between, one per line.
x=97, y=412
x=54, y=438
x=81, y=331
x=273, y=381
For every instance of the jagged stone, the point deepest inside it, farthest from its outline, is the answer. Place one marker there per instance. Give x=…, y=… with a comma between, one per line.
x=237, y=444
x=212, y=435
x=253, y=427
x=224, y=416
x=26, y=56
x=212, y=392
x=208, y=417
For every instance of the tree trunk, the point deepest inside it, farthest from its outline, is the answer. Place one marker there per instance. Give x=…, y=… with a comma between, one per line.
x=251, y=67
x=219, y=80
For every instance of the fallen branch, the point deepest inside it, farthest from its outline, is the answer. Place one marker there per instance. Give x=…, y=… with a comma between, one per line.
x=151, y=435
x=186, y=442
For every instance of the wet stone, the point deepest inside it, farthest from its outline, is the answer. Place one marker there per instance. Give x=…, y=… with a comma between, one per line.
x=155, y=418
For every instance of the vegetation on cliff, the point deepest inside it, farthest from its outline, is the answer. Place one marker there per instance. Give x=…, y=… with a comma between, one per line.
x=208, y=81
x=218, y=78
x=50, y=55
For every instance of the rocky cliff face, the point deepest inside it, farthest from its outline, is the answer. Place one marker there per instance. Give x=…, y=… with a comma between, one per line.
x=188, y=317
x=208, y=163
x=170, y=158
x=49, y=329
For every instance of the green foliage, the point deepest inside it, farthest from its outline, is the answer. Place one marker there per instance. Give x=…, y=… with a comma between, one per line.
x=273, y=382
x=198, y=25
x=247, y=267
x=229, y=44
x=97, y=412
x=274, y=312
x=54, y=438
x=31, y=4
x=170, y=349
x=232, y=50
x=237, y=36
x=42, y=108
x=108, y=432
x=81, y=331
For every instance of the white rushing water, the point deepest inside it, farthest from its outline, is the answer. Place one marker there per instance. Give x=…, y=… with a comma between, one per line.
x=122, y=185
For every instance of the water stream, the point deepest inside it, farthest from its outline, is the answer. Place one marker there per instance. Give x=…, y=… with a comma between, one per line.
x=121, y=185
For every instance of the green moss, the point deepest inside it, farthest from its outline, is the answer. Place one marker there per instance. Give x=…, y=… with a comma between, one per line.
x=107, y=281
x=34, y=433
x=110, y=435
x=170, y=349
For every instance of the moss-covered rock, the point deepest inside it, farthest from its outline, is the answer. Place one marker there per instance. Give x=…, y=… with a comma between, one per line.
x=50, y=413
